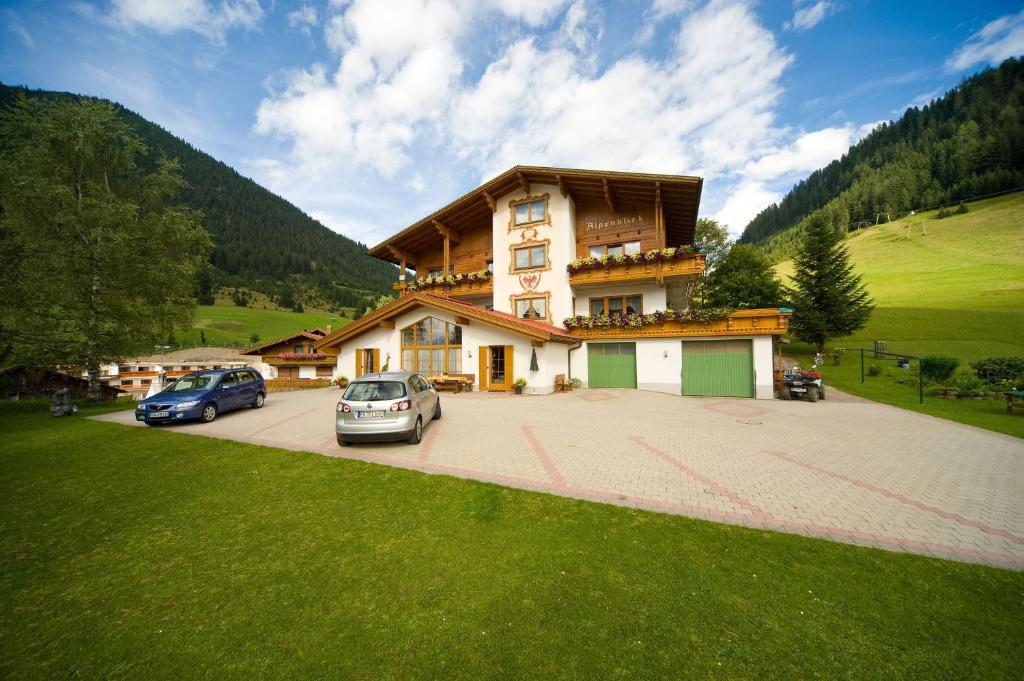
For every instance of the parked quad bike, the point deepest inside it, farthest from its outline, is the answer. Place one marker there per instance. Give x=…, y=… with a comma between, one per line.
x=806, y=385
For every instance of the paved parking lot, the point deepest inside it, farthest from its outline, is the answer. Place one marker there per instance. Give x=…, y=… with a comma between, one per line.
x=847, y=470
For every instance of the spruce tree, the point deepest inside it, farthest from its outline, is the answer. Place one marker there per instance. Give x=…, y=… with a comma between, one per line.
x=828, y=299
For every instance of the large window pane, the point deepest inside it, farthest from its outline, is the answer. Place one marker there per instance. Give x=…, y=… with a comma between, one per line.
x=537, y=256
x=437, y=332
x=597, y=306
x=633, y=304
x=522, y=258
x=423, y=361
x=423, y=332
x=614, y=305
x=522, y=213
x=632, y=247
x=596, y=251
x=408, y=336
x=407, y=361
x=454, y=334
x=615, y=250
x=437, y=361
x=455, y=361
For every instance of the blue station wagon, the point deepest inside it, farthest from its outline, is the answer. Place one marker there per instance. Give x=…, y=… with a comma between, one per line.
x=202, y=395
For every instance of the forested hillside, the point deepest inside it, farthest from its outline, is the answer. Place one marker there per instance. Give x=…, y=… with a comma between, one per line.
x=968, y=143
x=261, y=241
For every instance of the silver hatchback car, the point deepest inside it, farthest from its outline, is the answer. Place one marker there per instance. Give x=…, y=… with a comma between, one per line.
x=386, y=406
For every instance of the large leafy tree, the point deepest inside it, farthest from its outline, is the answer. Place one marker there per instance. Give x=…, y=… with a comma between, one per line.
x=97, y=260
x=743, y=279
x=828, y=298
x=713, y=237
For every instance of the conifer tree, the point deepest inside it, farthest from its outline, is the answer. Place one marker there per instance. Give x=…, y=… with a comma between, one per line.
x=828, y=299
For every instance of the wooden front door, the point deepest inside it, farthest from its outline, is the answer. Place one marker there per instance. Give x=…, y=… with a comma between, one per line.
x=367, y=361
x=496, y=367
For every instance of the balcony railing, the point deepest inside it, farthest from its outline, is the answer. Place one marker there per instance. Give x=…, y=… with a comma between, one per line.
x=762, y=322
x=612, y=272
x=463, y=287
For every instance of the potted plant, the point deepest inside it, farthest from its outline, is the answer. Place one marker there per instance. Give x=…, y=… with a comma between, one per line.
x=342, y=381
x=575, y=383
x=519, y=385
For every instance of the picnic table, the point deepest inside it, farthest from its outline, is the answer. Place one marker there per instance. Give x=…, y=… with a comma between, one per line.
x=1012, y=395
x=453, y=382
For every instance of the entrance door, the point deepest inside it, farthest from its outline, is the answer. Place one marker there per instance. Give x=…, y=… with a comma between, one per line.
x=496, y=367
x=722, y=368
x=367, y=361
x=611, y=365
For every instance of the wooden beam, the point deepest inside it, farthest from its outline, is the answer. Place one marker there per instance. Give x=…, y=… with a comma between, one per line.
x=386, y=323
x=491, y=203
x=407, y=259
x=464, y=321
x=537, y=343
x=659, y=224
x=562, y=186
x=446, y=231
x=608, y=195
x=523, y=182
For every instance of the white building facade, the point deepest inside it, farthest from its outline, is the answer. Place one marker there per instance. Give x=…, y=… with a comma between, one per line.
x=549, y=275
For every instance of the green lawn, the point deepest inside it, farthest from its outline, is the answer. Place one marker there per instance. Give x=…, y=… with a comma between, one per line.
x=232, y=324
x=140, y=553
x=958, y=291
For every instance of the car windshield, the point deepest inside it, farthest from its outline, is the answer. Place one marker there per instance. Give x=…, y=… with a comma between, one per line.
x=374, y=390
x=195, y=382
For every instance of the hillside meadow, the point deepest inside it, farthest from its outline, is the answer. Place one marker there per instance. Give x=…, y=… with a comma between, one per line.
x=231, y=324
x=952, y=286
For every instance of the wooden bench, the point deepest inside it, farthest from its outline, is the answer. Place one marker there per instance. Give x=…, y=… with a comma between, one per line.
x=453, y=382
x=562, y=385
x=1012, y=395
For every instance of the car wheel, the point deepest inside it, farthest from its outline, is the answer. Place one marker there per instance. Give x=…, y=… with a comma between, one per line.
x=821, y=392
x=209, y=413
x=437, y=409
x=258, y=404
x=341, y=442
x=784, y=393
x=417, y=432
x=812, y=395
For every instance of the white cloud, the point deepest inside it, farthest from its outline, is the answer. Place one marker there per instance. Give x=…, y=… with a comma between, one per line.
x=304, y=18
x=996, y=41
x=809, y=14
x=744, y=204
x=398, y=98
x=199, y=16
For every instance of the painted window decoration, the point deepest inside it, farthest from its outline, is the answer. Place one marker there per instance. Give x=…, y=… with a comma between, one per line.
x=613, y=250
x=616, y=305
x=432, y=347
x=530, y=211
x=530, y=257
x=532, y=308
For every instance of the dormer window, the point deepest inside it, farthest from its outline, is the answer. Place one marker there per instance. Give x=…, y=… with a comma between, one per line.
x=530, y=211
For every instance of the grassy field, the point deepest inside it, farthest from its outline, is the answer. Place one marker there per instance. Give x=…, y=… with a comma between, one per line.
x=137, y=553
x=232, y=324
x=958, y=290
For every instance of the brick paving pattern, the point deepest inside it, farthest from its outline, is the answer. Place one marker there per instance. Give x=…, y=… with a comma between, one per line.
x=851, y=471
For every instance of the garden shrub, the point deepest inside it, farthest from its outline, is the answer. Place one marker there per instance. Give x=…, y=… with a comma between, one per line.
x=961, y=209
x=936, y=368
x=999, y=370
x=874, y=370
x=968, y=386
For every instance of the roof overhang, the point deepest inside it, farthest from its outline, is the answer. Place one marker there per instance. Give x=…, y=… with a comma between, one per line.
x=380, y=318
x=285, y=339
x=680, y=199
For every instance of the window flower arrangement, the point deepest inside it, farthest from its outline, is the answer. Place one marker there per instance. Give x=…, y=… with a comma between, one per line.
x=654, y=256
x=448, y=280
x=621, y=320
x=302, y=355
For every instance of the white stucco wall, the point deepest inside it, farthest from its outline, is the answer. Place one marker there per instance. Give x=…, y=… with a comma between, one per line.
x=551, y=357
x=562, y=236
x=659, y=364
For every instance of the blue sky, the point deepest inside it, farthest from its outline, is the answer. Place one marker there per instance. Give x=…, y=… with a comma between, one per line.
x=368, y=114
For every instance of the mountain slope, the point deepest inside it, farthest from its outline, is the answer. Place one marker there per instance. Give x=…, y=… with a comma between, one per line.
x=968, y=143
x=260, y=240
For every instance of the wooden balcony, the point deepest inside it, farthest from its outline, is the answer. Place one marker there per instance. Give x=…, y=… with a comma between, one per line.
x=481, y=287
x=763, y=322
x=689, y=266
x=326, y=360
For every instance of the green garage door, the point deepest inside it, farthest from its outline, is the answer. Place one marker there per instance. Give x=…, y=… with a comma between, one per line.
x=718, y=368
x=611, y=365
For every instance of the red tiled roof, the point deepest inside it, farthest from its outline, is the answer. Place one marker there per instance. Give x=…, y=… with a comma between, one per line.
x=528, y=327
x=311, y=334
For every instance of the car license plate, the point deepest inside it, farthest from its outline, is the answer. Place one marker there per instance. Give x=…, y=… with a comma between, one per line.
x=159, y=414
x=799, y=390
x=376, y=414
